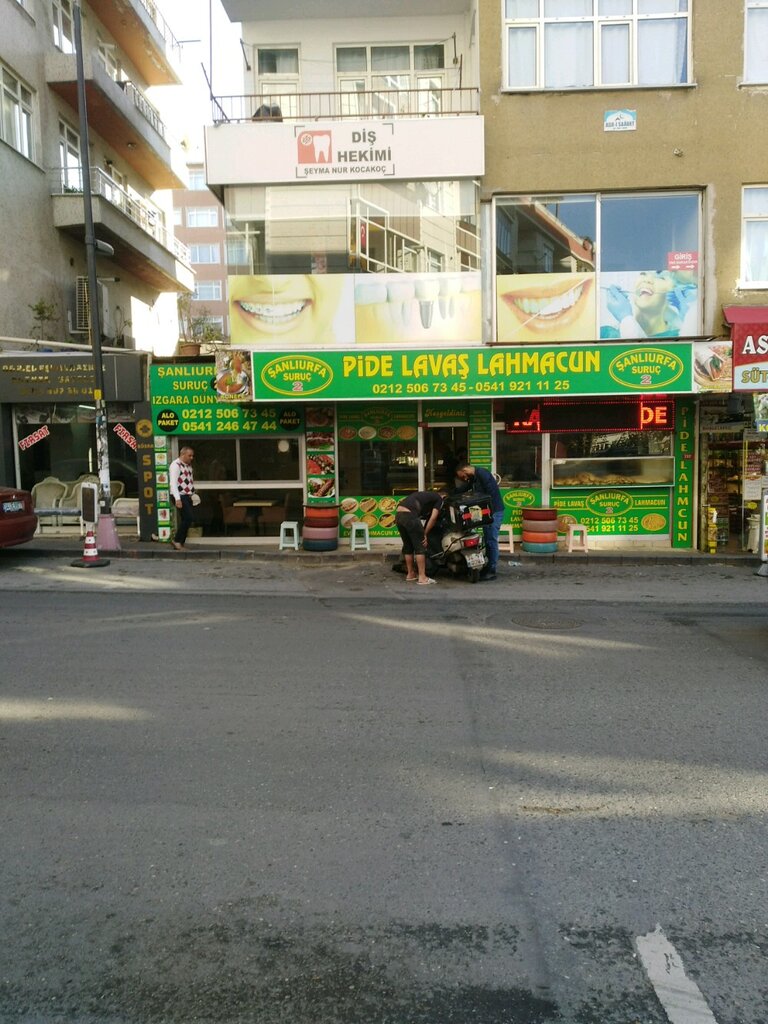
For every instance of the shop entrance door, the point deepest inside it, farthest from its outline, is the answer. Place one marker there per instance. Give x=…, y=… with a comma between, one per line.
x=444, y=449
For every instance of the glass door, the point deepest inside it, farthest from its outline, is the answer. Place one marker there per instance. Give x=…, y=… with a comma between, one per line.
x=444, y=449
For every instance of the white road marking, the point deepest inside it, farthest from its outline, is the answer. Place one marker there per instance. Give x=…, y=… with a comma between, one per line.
x=681, y=998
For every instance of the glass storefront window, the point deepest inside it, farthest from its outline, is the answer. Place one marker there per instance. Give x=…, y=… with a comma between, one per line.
x=247, y=459
x=630, y=443
x=378, y=467
x=518, y=459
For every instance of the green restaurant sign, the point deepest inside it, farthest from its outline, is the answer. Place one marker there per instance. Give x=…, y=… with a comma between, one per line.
x=485, y=372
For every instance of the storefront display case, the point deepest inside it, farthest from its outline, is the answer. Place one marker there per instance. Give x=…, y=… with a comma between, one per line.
x=637, y=471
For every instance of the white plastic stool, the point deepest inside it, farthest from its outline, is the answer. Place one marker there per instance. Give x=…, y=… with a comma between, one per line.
x=362, y=542
x=289, y=534
x=577, y=537
x=510, y=534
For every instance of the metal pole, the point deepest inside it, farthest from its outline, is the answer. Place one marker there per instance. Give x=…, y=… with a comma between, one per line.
x=107, y=535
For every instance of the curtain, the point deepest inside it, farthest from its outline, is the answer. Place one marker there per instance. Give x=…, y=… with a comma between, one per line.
x=568, y=52
x=662, y=48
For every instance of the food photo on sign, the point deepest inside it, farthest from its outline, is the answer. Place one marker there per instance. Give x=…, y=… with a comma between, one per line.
x=233, y=375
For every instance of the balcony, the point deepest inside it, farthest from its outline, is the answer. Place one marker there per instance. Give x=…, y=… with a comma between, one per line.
x=121, y=114
x=140, y=30
x=338, y=106
x=133, y=226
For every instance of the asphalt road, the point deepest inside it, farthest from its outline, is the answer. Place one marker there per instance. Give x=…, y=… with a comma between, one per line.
x=232, y=793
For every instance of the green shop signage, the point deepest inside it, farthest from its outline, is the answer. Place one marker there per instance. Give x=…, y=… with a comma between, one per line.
x=603, y=369
x=614, y=511
x=184, y=402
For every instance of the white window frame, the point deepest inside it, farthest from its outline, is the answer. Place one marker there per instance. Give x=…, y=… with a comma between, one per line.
x=214, y=289
x=197, y=179
x=539, y=23
x=202, y=216
x=745, y=283
x=63, y=32
x=750, y=7
x=425, y=83
x=211, y=320
x=69, y=158
x=214, y=250
x=178, y=216
x=17, y=113
x=280, y=88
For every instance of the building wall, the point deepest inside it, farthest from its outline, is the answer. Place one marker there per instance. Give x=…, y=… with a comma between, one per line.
x=185, y=200
x=707, y=135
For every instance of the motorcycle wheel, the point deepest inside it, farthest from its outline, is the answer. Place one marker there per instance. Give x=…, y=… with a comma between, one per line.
x=474, y=576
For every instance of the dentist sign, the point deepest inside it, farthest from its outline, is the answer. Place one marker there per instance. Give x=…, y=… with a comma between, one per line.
x=410, y=149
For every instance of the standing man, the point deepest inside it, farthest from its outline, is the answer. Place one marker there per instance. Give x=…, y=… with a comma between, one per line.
x=421, y=505
x=480, y=480
x=182, y=490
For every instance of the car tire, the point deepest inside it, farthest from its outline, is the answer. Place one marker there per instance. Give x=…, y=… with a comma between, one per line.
x=320, y=533
x=539, y=538
x=319, y=545
x=539, y=525
x=539, y=549
x=535, y=514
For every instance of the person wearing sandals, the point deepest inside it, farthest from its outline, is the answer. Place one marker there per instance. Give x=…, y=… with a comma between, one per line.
x=182, y=494
x=415, y=517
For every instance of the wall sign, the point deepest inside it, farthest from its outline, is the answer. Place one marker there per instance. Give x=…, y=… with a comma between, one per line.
x=474, y=373
x=69, y=378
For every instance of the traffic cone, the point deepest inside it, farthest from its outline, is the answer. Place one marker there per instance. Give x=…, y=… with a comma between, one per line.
x=91, y=558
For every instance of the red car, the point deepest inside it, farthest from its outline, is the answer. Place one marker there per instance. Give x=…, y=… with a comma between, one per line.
x=18, y=521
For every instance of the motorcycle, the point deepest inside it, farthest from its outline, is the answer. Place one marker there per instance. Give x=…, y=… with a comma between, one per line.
x=462, y=540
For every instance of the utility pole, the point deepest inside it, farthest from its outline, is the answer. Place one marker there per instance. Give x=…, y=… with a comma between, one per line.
x=106, y=535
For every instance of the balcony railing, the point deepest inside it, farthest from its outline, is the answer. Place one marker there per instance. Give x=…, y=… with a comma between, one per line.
x=144, y=107
x=171, y=42
x=334, y=106
x=142, y=212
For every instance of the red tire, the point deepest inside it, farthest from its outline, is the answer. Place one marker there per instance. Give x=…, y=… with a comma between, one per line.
x=320, y=511
x=539, y=513
x=319, y=533
x=538, y=525
x=323, y=522
x=539, y=538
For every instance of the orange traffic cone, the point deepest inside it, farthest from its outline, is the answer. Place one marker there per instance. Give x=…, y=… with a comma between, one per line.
x=91, y=558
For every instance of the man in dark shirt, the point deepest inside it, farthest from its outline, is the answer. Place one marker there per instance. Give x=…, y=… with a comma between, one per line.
x=421, y=505
x=483, y=482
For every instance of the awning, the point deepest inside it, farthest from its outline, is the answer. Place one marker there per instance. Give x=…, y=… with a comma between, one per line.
x=745, y=315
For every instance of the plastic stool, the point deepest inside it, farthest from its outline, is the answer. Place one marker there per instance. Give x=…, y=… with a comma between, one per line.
x=753, y=541
x=355, y=541
x=510, y=535
x=289, y=535
x=577, y=537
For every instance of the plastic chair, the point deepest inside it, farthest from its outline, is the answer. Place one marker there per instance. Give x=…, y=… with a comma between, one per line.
x=577, y=537
x=48, y=494
x=355, y=541
x=126, y=508
x=289, y=535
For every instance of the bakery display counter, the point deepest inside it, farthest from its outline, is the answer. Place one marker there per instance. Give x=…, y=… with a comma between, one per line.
x=630, y=471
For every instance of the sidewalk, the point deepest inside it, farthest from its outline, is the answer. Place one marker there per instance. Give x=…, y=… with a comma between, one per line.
x=383, y=551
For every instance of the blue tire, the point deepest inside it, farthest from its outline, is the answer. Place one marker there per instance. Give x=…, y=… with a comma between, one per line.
x=539, y=549
x=320, y=545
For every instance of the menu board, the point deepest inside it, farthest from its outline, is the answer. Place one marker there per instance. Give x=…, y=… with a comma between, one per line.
x=321, y=456
x=359, y=421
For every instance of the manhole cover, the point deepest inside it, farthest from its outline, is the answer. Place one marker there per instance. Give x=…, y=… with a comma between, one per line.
x=538, y=621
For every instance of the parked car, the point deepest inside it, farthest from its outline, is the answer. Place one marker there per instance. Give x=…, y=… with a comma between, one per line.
x=18, y=521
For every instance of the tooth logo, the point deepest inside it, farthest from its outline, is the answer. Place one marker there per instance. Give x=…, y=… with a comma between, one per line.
x=314, y=147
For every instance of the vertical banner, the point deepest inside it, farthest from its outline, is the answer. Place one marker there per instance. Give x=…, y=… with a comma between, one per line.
x=145, y=461
x=683, y=491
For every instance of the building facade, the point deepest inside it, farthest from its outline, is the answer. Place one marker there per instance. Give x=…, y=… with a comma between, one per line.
x=509, y=232
x=134, y=163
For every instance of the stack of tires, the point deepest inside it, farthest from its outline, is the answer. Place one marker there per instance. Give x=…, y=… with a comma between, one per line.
x=540, y=530
x=321, y=528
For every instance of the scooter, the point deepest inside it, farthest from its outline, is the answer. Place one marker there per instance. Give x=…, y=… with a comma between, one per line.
x=462, y=540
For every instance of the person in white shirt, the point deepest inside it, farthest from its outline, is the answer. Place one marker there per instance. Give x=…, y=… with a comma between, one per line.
x=182, y=490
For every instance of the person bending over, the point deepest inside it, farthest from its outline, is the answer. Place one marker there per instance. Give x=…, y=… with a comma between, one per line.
x=411, y=511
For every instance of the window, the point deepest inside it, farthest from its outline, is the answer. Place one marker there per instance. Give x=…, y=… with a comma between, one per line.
x=16, y=125
x=207, y=291
x=386, y=71
x=209, y=326
x=63, y=37
x=202, y=217
x=177, y=216
x=197, y=180
x=109, y=58
x=279, y=79
x=586, y=266
x=756, y=42
x=278, y=62
x=204, y=254
x=69, y=159
x=583, y=44
x=754, y=237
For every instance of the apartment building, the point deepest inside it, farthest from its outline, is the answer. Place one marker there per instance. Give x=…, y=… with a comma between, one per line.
x=134, y=163
x=198, y=219
x=520, y=231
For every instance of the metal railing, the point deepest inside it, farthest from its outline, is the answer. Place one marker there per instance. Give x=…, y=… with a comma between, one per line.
x=142, y=212
x=144, y=107
x=170, y=39
x=334, y=106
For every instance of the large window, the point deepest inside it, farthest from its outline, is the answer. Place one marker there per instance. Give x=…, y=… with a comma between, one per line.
x=204, y=253
x=17, y=113
x=62, y=25
x=754, y=237
x=279, y=79
x=197, y=180
x=585, y=266
x=756, y=42
x=384, y=71
x=583, y=44
x=202, y=217
x=207, y=291
x=69, y=158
